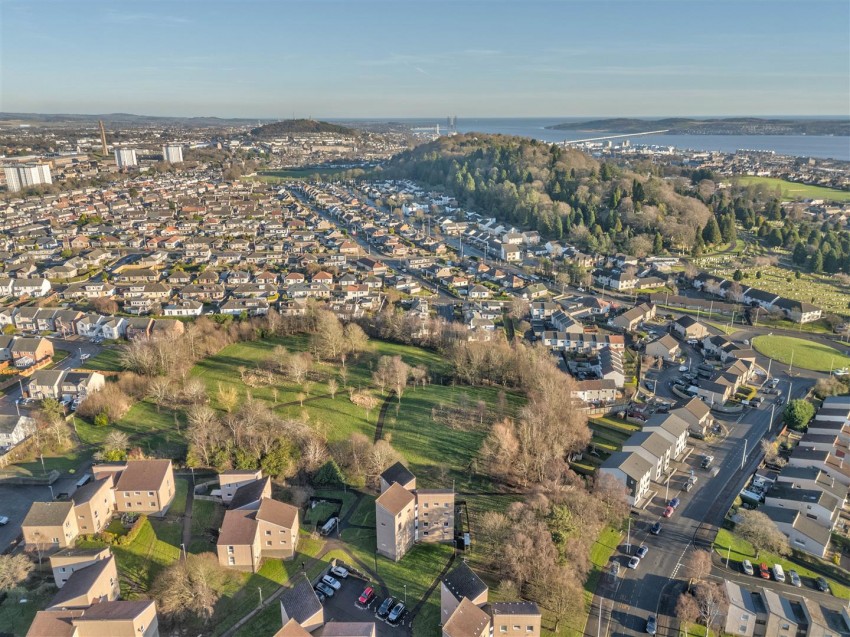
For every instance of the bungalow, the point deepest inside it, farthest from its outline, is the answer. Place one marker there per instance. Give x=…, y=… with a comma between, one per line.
x=602, y=390
x=666, y=348
x=187, y=307
x=629, y=320
x=686, y=328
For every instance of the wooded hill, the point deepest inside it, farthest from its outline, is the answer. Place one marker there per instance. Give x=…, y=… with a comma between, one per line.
x=562, y=193
x=296, y=126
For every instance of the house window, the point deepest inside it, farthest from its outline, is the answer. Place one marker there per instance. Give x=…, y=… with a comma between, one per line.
x=138, y=493
x=268, y=543
x=503, y=629
x=231, y=560
x=426, y=505
x=529, y=629
x=516, y=627
x=150, y=493
x=230, y=549
x=153, y=504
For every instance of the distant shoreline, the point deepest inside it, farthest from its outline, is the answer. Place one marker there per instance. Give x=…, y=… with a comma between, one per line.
x=724, y=126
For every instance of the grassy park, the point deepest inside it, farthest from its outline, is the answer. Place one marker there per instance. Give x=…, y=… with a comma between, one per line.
x=792, y=191
x=800, y=353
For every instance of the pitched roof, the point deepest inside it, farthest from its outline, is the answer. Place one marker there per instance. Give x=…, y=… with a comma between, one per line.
x=299, y=600
x=512, y=608
x=238, y=528
x=467, y=620
x=142, y=475
x=278, y=513
x=249, y=493
x=48, y=513
x=461, y=581
x=53, y=623
x=116, y=610
x=397, y=473
x=395, y=498
x=81, y=582
x=291, y=629
x=348, y=629
x=88, y=491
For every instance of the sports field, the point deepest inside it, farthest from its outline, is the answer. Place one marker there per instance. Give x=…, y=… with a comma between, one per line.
x=792, y=191
x=801, y=353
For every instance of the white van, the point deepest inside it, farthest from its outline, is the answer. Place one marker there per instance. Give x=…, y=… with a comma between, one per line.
x=778, y=573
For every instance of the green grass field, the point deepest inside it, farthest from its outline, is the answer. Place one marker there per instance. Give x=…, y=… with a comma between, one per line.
x=792, y=191
x=738, y=550
x=800, y=353
x=158, y=431
x=107, y=361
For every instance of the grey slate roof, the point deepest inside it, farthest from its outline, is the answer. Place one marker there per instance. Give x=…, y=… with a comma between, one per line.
x=461, y=581
x=300, y=601
x=397, y=473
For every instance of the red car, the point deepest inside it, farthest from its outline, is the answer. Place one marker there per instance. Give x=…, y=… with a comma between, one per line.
x=367, y=596
x=764, y=571
x=668, y=512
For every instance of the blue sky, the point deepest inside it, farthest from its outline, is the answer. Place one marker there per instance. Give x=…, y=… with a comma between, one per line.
x=383, y=58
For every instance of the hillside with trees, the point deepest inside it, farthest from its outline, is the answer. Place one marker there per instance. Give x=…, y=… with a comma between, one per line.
x=719, y=126
x=300, y=126
x=562, y=193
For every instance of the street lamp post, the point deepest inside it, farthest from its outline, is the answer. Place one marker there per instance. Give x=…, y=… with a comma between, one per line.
x=183, y=549
x=791, y=364
x=52, y=497
x=629, y=538
x=744, y=455
x=728, y=553
x=260, y=591
x=41, y=457
x=405, y=593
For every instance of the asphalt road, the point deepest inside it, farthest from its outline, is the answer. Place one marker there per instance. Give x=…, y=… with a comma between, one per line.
x=627, y=600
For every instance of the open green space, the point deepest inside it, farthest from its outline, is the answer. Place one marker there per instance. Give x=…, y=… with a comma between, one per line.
x=68, y=461
x=792, y=191
x=19, y=607
x=727, y=543
x=108, y=360
x=157, y=430
x=436, y=452
x=600, y=557
x=206, y=517
x=800, y=352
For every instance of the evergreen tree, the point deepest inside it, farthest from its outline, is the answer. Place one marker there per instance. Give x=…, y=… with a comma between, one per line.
x=800, y=254
x=737, y=275
x=727, y=229
x=816, y=262
x=638, y=194
x=658, y=244
x=711, y=233
x=774, y=238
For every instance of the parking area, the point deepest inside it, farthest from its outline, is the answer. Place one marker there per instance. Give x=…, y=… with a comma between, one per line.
x=15, y=501
x=343, y=607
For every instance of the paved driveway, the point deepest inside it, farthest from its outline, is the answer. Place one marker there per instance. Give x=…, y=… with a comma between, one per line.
x=342, y=608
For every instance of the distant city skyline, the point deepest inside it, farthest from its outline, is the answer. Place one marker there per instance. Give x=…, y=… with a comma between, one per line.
x=375, y=59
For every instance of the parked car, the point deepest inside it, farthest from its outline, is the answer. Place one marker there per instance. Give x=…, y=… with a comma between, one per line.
x=747, y=567
x=396, y=613
x=764, y=572
x=633, y=563
x=340, y=571
x=795, y=578
x=385, y=607
x=366, y=596
x=656, y=529
x=332, y=582
x=668, y=512
x=324, y=589
x=615, y=569
x=4, y=520
x=642, y=551
x=706, y=461
x=675, y=502
x=778, y=573
x=651, y=625
x=822, y=584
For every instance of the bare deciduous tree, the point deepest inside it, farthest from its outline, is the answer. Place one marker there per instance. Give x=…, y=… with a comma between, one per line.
x=14, y=570
x=712, y=603
x=333, y=387
x=190, y=587
x=699, y=564
x=227, y=397
x=760, y=531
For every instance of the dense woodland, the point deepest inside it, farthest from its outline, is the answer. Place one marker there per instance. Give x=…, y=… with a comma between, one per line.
x=641, y=209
